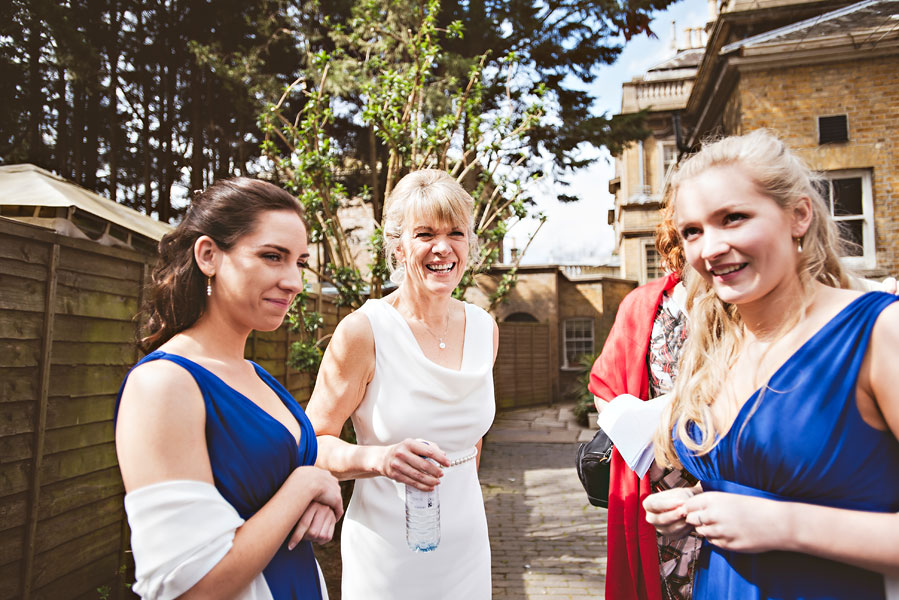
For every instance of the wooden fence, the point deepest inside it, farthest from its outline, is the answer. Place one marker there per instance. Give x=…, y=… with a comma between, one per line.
x=522, y=373
x=66, y=331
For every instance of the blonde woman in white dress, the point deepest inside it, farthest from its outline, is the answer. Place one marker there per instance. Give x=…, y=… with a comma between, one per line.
x=413, y=367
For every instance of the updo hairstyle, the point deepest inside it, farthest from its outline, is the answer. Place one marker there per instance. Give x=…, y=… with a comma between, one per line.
x=225, y=211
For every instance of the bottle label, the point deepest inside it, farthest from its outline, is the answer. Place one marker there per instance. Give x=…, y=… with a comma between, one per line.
x=418, y=500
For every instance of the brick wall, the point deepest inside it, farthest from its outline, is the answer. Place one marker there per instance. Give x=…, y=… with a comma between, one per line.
x=640, y=217
x=598, y=299
x=535, y=294
x=789, y=100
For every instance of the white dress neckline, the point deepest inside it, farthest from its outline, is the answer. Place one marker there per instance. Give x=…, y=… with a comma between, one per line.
x=415, y=342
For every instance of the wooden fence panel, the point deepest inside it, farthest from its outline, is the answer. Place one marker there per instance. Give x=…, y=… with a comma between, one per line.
x=522, y=373
x=66, y=341
x=66, y=330
x=19, y=325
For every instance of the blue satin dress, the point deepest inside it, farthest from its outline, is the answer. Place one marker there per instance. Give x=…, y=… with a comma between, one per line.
x=252, y=454
x=806, y=442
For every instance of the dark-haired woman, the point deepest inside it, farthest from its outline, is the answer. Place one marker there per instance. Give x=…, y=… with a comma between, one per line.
x=216, y=456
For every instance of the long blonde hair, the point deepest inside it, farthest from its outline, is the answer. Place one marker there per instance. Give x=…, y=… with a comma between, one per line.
x=715, y=327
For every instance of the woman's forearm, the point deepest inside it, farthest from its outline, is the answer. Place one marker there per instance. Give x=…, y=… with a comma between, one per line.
x=349, y=461
x=258, y=539
x=864, y=539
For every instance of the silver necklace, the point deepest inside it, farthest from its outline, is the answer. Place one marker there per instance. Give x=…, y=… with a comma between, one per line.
x=441, y=339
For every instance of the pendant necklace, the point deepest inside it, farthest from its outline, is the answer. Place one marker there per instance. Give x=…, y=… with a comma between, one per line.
x=441, y=343
x=441, y=339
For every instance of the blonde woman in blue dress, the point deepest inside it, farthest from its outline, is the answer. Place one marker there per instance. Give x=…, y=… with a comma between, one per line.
x=413, y=367
x=785, y=407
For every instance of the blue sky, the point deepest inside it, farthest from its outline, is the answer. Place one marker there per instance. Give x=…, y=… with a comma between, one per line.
x=578, y=232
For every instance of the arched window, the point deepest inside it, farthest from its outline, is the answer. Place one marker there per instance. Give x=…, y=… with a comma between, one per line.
x=521, y=317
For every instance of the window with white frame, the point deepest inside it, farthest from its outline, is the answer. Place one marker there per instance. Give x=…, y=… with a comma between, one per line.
x=652, y=262
x=578, y=340
x=669, y=159
x=848, y=195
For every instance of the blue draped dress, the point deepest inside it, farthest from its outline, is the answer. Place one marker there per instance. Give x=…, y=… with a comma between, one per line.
x=806, y=442
x=252, y=454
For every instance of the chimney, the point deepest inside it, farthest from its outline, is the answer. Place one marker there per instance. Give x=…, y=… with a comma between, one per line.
x=673, y=37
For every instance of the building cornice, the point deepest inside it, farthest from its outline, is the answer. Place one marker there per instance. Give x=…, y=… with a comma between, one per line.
x=639, y=232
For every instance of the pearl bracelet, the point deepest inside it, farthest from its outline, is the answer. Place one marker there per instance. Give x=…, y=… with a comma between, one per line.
x=458, y=461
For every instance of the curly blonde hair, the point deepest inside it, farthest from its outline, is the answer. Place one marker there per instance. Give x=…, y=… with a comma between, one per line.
x=715, y=338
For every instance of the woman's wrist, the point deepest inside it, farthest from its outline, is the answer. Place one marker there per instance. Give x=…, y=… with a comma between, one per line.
x=782, y=522
x=304, y=480
x=375, y=459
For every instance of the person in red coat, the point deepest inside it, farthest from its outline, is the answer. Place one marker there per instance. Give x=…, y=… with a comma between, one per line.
x=637, y=359
x=632, y=571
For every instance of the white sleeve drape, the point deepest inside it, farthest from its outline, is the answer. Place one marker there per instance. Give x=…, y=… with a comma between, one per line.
x=179, y=531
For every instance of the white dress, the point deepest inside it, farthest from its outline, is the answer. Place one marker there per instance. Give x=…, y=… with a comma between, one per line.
x=412, y=397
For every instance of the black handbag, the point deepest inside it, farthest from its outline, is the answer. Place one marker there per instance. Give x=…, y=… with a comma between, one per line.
x=594, y=464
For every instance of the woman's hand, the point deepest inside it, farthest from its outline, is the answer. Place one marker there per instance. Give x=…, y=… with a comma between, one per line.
x=739, y=523
x=316, y=525
x=406, y=462
x=322, y=513
x=667, y=512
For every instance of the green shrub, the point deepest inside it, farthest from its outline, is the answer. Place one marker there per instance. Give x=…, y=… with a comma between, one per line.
x=583, y=397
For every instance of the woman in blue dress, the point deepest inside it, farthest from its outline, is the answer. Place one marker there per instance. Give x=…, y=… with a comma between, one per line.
x=216, y=456
x=785, y=409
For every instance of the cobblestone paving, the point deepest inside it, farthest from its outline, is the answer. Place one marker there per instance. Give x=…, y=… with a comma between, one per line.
x=546, y=540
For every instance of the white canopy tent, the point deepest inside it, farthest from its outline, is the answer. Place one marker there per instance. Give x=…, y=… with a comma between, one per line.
x=34, y=195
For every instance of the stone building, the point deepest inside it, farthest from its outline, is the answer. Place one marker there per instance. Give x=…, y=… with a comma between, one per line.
x=662, y=92
x=554, y=316
x=821, y=75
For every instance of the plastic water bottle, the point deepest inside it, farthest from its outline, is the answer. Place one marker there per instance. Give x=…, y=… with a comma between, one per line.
x=422, y=519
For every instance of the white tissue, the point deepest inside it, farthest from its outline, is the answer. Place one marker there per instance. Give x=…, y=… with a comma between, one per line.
x=630, y=423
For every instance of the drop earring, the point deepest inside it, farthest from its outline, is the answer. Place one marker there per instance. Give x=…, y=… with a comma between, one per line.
x=399, y=274
x=209, y=286
x=799, y=245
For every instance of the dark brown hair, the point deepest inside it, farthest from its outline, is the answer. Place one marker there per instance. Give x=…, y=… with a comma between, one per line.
x=225, y=211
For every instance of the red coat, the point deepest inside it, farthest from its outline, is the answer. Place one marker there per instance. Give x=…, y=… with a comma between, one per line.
x=632, y=572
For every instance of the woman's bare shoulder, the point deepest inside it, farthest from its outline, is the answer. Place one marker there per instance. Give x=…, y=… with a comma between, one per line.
x=160, y=427
x=355, y=328
x=842, y=296
x=351, y=348
x=160, y=390
x=886, y=328
x=158, y=375
x=830, y=301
